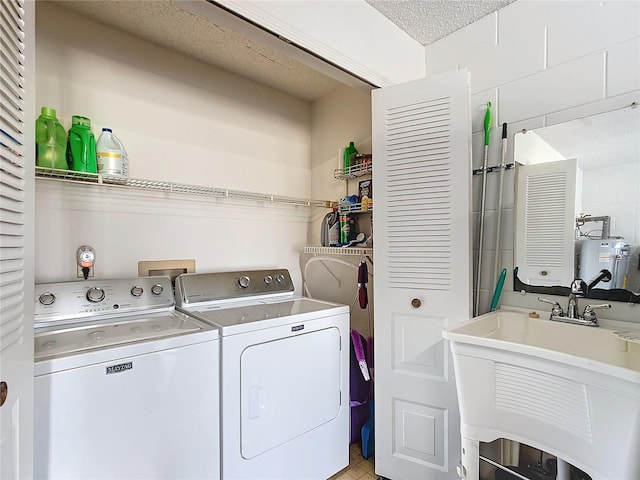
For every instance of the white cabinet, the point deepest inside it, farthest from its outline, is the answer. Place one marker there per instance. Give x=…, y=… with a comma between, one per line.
x=547, y=204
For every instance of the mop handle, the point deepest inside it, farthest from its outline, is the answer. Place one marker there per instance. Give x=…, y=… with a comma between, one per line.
x=487, y=125
x=496, y=262
x=487, y=130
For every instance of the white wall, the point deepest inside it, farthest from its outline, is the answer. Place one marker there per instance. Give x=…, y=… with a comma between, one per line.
x=539, y=63
x=181, y=121
x=337, y=119
x=606, y=190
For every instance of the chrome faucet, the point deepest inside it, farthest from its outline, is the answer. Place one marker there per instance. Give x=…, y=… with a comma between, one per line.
x=579, y=288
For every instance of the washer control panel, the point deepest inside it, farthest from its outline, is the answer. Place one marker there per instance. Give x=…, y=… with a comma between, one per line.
x=88, y=298
x=192, y=288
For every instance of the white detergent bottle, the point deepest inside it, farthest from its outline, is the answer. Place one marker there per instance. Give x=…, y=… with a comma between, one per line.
x=111, y=157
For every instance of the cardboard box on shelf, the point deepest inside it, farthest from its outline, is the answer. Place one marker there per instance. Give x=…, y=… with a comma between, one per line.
x=365, y=189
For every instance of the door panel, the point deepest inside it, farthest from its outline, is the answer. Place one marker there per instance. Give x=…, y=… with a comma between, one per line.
x=419, y=351
x=422, y=176
x=420, y=434
x=273, y=375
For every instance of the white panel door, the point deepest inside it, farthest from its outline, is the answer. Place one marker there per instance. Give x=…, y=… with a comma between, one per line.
x=17, y=145
x=422, y=180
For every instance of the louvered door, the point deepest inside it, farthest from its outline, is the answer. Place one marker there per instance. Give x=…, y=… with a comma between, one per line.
x=546, y=212
x=16, y=237
x=421, y=175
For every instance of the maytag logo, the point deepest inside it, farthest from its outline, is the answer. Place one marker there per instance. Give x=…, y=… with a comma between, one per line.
x=297, y=328
x=123, y=367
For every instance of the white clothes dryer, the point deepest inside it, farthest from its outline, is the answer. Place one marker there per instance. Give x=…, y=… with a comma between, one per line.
x=125, y=386
x=284, y=377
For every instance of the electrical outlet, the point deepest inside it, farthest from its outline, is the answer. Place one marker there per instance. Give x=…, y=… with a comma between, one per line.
x=86, y=259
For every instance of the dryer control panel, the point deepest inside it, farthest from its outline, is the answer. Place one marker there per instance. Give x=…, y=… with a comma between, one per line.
x=194, y=288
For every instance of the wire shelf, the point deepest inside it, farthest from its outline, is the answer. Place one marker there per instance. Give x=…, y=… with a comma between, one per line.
x=137, y=183
x=353, y=171
x=340, y=251
x=353, y=208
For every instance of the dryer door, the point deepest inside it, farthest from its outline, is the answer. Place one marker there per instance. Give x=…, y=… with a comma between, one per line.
x=289, y=387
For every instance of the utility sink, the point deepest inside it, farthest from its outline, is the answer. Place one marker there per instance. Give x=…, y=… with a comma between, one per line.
x=570, y=390
x=612, y=347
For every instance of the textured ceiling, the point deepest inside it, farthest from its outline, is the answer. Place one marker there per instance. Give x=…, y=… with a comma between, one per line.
x=429, y=20
x=165, y=23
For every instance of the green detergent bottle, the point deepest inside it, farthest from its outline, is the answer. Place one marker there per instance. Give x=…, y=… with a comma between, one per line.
x=349, y=152
x=81, y=147
x=51, y=141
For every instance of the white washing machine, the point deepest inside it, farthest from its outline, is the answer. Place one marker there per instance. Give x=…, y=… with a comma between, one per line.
x=285, y=374
x=125, y=385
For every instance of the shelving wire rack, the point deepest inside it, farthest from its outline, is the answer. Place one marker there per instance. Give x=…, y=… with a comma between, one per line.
x=137, y=183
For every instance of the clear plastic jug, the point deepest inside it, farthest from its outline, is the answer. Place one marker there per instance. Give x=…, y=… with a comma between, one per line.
x=110, y=154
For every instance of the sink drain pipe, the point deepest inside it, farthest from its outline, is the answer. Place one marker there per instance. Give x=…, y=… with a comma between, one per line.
x=487, y=130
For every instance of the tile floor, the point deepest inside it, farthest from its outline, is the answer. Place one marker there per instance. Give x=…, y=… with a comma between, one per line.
x=358, y=469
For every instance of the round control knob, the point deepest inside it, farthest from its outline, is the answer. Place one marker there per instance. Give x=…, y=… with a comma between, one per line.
x=47, y=298
x=157, y=289
x=136, y=291
x=95, y=294
x=280, y=278
x=268, y=279
x=244, y=281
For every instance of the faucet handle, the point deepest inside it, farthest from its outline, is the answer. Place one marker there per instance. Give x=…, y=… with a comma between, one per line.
x=556, y=309
x=589, y=314
x=591, y=308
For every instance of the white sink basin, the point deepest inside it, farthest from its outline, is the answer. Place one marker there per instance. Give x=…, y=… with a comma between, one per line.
x=570, y=390
x=572, y=344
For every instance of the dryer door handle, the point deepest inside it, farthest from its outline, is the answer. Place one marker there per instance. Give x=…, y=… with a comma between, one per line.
x=254, y=402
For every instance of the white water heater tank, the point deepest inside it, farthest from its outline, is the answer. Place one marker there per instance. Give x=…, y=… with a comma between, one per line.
x=611, y=254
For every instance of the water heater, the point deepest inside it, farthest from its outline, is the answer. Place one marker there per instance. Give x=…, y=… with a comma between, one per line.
x=611, y=254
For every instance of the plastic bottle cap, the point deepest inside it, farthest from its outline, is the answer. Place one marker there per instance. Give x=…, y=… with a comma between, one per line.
x=48, y=111
x=80, y=120
x=107, y=130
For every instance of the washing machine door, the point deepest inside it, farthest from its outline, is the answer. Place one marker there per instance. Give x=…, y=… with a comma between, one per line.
x=289, y=387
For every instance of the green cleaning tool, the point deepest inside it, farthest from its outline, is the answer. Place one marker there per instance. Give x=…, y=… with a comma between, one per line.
x=487, y=131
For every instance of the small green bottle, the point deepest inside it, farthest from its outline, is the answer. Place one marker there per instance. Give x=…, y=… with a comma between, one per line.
x=81, y=147
x=348, y=153
x=344, y=229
